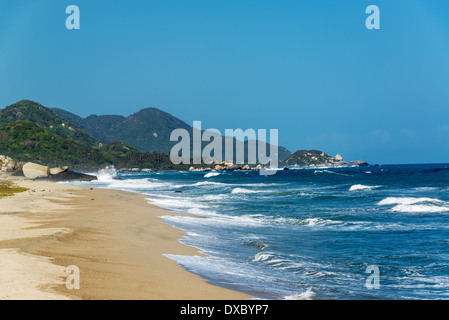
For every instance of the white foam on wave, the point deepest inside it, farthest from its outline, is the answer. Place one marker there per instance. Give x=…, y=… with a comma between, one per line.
x=329, y=172
x=357, y=187
x=214, y=267
x=263, y=256
x=212, y=197
x=274, y=261
x=108, y=179
x=306, y=295
x=222, y=184
x=201, y=212
x=208, y=183
x=222, y=220
x=316, y=221
x=408, y=200
x=177, y=204
x=243, y=190
x=145, y=184
x=106, y=174
x=416, y=205
x=211, y=174
x=419, y=208
x=425, y=188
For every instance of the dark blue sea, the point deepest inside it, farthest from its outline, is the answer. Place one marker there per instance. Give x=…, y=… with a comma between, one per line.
x=310, y=233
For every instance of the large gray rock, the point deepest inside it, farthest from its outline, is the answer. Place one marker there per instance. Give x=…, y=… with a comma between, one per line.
x=68, y=175
x=35, y=171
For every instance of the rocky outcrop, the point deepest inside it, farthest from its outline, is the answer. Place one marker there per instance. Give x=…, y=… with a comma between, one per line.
x=199, y=169
x=35, y=171
x=225, y=166
x=308, y=158
x=64, y=174
x=9, y=165
x=71, y=176
x=316, y=158
x=359, y=163
x=134, y=170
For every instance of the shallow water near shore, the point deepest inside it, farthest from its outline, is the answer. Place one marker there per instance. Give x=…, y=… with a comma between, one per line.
x=309, y=233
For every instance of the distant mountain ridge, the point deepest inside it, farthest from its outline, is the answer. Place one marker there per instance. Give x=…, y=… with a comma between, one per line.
x=147, y=130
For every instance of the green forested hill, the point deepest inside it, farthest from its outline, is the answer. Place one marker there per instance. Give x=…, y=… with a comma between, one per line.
x=308, y=157
x=147, y=130
x=32, y=132
x=43, y=117
x=25, y=141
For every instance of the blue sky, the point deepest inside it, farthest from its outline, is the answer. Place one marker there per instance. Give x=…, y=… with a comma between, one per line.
x=310, y=69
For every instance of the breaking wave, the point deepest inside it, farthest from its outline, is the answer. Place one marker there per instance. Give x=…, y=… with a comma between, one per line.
x=415, y=205
x=357, y=187
x=211, y=174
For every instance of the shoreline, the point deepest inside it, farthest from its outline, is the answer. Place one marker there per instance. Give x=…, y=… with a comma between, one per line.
x=117, y=239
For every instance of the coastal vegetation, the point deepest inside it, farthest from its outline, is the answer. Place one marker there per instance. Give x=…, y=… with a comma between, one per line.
x=147, y=130
x=8, y=189
x=43, y=117
x=307, y=158
x=32, y=132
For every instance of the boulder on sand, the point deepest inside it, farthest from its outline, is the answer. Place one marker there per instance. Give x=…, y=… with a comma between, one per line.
x=55, y=171
x=35, y=171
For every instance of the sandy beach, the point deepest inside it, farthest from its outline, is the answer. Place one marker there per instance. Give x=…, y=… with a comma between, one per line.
x=116, y=239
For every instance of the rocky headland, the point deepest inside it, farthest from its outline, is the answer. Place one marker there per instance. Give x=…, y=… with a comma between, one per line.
x=316, y=158
x=36, y=171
